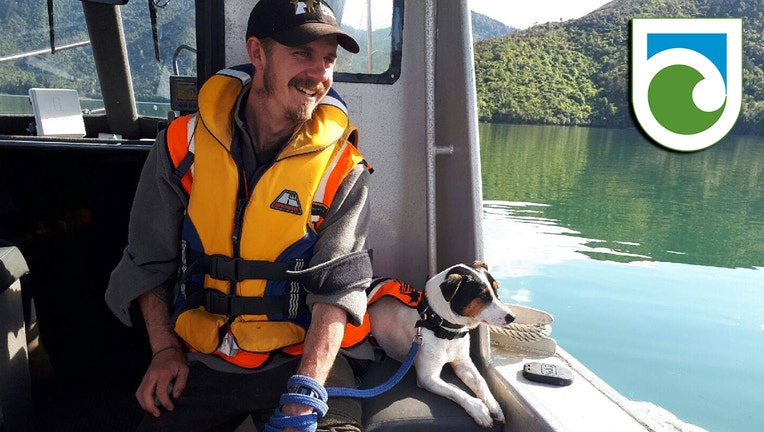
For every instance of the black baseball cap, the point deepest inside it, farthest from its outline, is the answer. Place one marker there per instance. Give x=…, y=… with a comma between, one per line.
x=294, y=23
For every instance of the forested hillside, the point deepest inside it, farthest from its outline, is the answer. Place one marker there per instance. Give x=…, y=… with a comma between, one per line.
x=484, y=27
x=577, y=72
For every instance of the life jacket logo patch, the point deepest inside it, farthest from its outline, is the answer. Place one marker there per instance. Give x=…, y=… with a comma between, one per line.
x=410, y=292
x=287, y=201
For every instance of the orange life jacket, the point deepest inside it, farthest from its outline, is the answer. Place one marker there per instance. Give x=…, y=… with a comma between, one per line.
x=272, y=228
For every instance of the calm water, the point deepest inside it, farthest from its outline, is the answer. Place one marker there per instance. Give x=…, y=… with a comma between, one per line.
x=652, y=262
x=15, y=104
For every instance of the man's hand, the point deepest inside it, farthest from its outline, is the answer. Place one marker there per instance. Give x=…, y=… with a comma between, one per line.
x=295, y=410
x=303, y=404
x=168, y=366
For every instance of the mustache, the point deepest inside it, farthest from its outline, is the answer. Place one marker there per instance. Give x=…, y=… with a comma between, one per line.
x=306, y=83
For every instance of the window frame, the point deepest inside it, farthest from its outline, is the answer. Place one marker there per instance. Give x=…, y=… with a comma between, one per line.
x=393, y=72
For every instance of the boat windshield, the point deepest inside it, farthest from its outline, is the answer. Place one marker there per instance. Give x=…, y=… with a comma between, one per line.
x=50, y=48
x=46, y=45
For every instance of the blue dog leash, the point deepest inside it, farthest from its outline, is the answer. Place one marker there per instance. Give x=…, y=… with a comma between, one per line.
x=378, y=390
x=309, y=422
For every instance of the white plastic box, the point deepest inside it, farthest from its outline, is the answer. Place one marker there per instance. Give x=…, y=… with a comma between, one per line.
x=57, y=112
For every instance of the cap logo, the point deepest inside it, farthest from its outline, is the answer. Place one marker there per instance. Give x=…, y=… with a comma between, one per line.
x=326, y=10
x=300, y=7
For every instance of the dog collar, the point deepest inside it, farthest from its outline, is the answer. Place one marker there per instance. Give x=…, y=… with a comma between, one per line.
x=430, y=320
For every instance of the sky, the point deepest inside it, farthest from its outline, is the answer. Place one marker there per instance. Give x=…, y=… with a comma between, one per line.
x=522, y=14
x=519, y=14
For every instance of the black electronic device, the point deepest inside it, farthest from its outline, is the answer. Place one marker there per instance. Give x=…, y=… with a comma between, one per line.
x=548, y=373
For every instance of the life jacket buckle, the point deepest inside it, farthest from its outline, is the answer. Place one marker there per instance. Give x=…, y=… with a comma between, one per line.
x=224, y=267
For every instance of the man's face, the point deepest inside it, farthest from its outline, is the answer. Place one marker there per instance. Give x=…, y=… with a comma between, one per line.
x=295, y=79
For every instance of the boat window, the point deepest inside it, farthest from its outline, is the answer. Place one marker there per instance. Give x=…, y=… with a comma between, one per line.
x=25, y=54
x=27, y=60
x=151, y=66
x=34, y=54
x=377, y=25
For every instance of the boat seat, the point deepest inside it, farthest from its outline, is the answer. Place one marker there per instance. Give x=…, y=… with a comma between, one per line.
x=15, y=383
x=408, y=408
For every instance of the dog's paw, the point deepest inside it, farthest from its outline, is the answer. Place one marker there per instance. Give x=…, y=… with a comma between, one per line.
x=498, y=415
x=480, y=413
x=495, y=410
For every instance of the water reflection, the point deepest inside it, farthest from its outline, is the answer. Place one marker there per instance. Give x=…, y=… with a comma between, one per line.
x=702, y=208
x=669, y=333
x=533, y=240
x=652, y=262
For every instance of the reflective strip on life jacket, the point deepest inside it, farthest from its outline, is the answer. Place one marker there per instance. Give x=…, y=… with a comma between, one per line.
x=330, y=182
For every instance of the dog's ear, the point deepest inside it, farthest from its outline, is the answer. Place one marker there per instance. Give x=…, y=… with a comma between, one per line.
x=479, y=264
x=450, y=285
x=494, y=284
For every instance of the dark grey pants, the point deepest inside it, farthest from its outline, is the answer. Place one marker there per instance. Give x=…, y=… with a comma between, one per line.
x=216, y=401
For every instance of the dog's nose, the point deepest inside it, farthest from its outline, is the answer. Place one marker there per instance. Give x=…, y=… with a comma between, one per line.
x=508, y=318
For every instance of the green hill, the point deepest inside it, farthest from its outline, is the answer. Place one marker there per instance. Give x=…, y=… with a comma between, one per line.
x=577, y=72
x=485, y=27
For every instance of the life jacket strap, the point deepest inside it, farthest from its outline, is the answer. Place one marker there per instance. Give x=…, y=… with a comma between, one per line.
x=238, y=269
x=231, y=305
x=183, y=167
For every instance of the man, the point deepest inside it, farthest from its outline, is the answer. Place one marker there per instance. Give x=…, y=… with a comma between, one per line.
x=246, y=250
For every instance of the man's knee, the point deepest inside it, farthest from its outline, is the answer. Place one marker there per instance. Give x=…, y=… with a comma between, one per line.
x=344, y=413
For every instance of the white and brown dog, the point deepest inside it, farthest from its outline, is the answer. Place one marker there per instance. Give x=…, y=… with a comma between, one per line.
x=456, y=301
